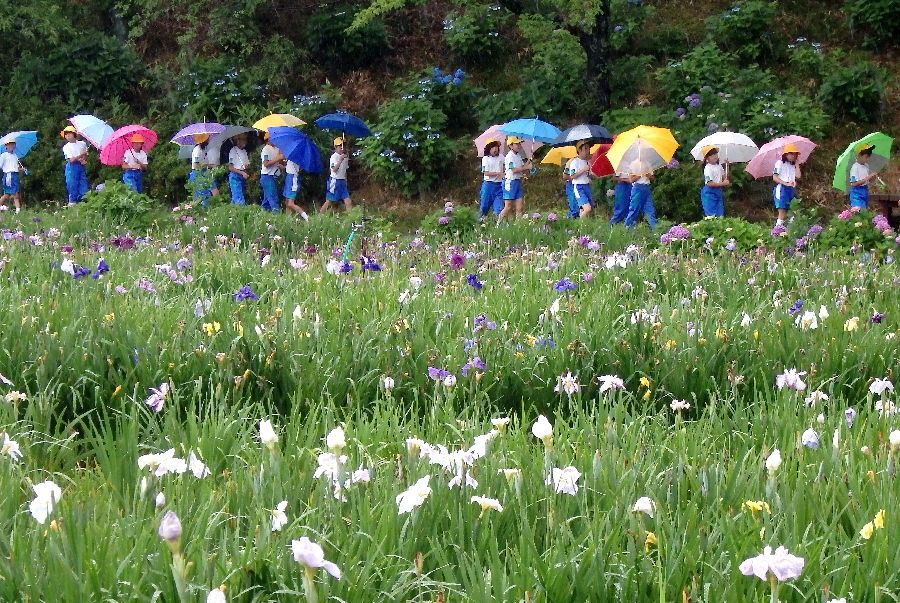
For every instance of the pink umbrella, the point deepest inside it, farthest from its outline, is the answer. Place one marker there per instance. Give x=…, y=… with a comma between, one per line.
x=763, y=164
x=120, y=141
x=529, y=146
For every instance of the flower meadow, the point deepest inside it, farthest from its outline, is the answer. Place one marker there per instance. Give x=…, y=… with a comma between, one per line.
x=237, y=407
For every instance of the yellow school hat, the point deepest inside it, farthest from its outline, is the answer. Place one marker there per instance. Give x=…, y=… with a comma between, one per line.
x=67, y=129
x=581, y=143
x=865, y=146
x=790, y=148
x=200, y=138
x=338, y=141
x=710, y=149
x=137, y=138
x=513, y=140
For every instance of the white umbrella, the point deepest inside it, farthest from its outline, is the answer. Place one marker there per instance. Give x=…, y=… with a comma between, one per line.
x=214, y=146
x=734, y=147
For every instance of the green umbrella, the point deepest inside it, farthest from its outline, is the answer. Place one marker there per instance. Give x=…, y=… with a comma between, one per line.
x=881, y=154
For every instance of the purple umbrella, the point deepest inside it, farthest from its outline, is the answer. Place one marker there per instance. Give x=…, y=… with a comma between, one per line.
x=187, y=133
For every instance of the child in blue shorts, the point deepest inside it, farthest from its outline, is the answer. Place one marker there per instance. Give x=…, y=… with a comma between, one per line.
x=272, y=161
x=569, y=190
x=10, y=166
x=134, y=162
x=580, y=175
x=292, y=185
x=336, y=186
x=860, y=176
x=641, y=196
x=712, y=195
x=492, y=185
x=204, y=185
x=238, y=170
x=516, y=166
x=785, y=176
x=75, y=152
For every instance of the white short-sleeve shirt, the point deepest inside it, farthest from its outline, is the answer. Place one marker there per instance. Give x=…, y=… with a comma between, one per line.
x=338, y=167
x=9, y=162
x=132, y=156
x=576, y=165
x=513, y=161
x=198, y=155
x=269, y=153
x=858, y=172
x=639, y=167
x=238, y=158
x=292, y=168
x=492, y=164
x=713, y=172
x=71, y=150
x=785, y=170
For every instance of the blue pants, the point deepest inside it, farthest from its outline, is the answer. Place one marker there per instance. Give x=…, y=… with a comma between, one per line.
x=238, y=188
x=292, y=185
x=859, y=196
x=491, y=198
x=76, y=181
x=203, y=192
x=11, y=183
x=621, y=203
x=570, y=199
x=641, y=203
x=134, y=179
x=713, y=201
x=270, y=200
x=782, y=196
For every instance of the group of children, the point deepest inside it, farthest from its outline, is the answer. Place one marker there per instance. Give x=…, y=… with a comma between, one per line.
x=501, y=189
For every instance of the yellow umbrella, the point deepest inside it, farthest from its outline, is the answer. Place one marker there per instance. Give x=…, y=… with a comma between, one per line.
x=642, y=150
x=278, y=119
x=559, y=155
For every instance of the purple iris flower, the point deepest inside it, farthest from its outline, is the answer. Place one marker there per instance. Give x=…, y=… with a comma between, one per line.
x=437, y=374
x=564, y=284
x=80, y=272
x=370, y=265
x=102, y=268
x=795, y=307
x=473, y=282
x=345, y=268
x=310, y=250
x=245, y=293
x=475, y=363
x=457, y=261
x=876, y=318
x=482, y=323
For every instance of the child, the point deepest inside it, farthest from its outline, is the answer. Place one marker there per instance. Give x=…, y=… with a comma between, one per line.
x=238, y=164
x=641, y=197
x=580, y=174
x=492, y=172
x=712, y=197
x=200, y=165
x=860, y=176
x=570, y=196
x=513, y=199
x=75, y=151
x=272, y=161
x=10, y=166
x=134, y=162
x=292, y=184
x=622, y=198
x=785, y=175
x=336, y=186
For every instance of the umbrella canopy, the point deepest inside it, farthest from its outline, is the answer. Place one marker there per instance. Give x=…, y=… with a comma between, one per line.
x=345, y=123
x=763, y=164
x=600, y=165
x=214, y=145
x=734, y=147
x=186, y=134
x=583, y=132
x=529, y=146
x=120, y=141
x=274, y=120
x=24, y=141
x=559, y=155
x=92, y=129
x=297, y=147
x=881, y=155
x=648, y=148
x=531, y=129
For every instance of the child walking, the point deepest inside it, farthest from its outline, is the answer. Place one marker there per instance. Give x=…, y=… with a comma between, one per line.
x=513, y=198
x=292, y=185
x=238, y=164
x=580, y=174
x=10, y=166
x=75, y=152
x=492, y=185
x=336, y=190
x=204, y=185
x=860, y=176
x=712, y=196
x=134, y=162
x=569, y=189
x=641, y=196
x=272, y=161
x=622, y=198
x=785, y=175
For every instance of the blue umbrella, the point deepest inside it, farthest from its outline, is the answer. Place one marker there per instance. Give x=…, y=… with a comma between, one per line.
x=531, y=129
x=24, y=141
x=297, y=147
x=588, y=132
x=344, y=122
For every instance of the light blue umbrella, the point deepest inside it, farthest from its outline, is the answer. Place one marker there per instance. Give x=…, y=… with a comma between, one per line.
x=24, y=141
x=531, y=129
x=92, y=129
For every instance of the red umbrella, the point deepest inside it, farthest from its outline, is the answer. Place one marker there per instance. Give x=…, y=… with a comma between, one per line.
x=600, y=165
x=120, y=141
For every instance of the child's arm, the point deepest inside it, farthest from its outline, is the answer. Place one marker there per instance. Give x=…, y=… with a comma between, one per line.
x=778, y=180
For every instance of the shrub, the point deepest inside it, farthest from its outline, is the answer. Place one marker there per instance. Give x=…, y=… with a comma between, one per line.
x=854, y=231
x=557, y=64
x=116, y=204
x=337, y=49
x=676, y=193
x=745, y=29
x=855, y=91
x=808, y=61
x=786, y=112
x=631, y=74
x=705, y=65
x=457, y=223
x=214, y=89
x=473, y=32
x=746, y=235
x=879, y=19
x=448, y=92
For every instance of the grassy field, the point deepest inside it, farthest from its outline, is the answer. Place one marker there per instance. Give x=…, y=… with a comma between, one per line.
x=701, y=406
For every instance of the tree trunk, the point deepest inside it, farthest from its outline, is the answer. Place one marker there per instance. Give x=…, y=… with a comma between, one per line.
x=597, y=48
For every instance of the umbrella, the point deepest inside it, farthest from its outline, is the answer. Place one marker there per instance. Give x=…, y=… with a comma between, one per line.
x=529, y=146
x=92, y=129
x=733, y=147
x=344, y=122
x=600, y=165
x=120, y=141
x=763, y=164
x=297, y=147
x=214, y=145
x=583, y=132
x=186, y=134
x=24, y=141
x=649, y=145
x=559, y=155
x=274, y=120
x=881, y=154
x=531, y=129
